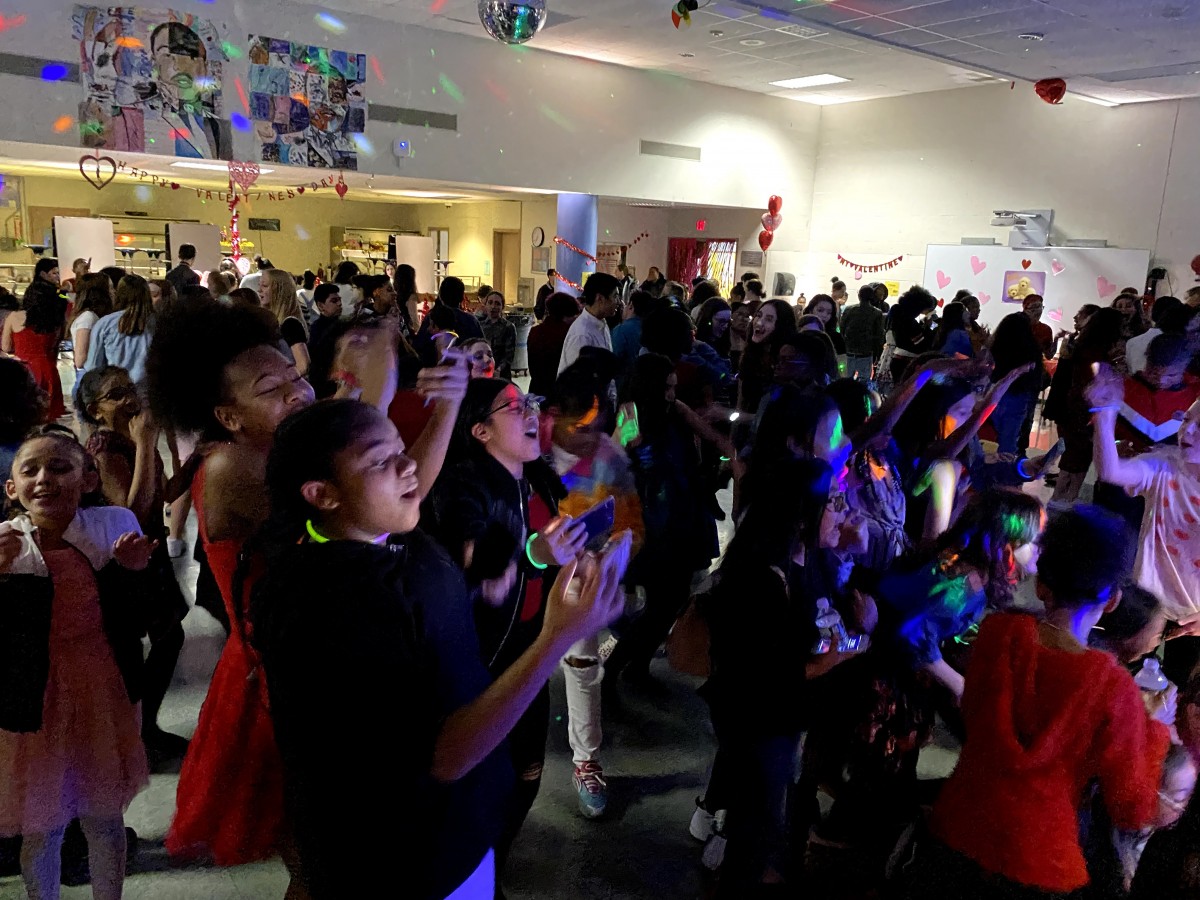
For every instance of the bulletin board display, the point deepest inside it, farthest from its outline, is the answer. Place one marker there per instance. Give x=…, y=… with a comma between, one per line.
x=79, y=238
x=1001, y=277
x=419, y=252
x=205, y=238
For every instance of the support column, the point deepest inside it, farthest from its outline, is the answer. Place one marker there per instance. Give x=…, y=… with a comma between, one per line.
x=578, y=219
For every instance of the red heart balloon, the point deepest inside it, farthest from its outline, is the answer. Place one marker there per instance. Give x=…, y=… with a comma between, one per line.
x=1052, y=90
x=775, y=204
x=764, y=239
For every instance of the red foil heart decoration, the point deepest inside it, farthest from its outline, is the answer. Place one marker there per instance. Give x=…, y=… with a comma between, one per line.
x=341, y=189
x=764, y=239
x=244, y=174
x=1052, y=90
x=775, y=204
x=99, y=180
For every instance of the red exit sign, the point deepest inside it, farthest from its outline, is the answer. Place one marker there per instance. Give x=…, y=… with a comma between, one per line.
x=701, y=224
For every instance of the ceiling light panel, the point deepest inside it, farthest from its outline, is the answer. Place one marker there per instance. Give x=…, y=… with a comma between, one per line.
x=808, y=81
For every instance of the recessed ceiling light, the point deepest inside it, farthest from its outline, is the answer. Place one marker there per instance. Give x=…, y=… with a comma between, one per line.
x=809, y=81
x=752, y=42
x=1095, y=100
x=717, y=32
x=819, y=99
x=1032, y=36
x=687, y=55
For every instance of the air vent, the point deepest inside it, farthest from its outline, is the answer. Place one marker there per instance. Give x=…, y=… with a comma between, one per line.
x=802, y=31
x=672, y=151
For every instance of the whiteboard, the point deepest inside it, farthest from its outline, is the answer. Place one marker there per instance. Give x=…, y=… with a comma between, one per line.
x=1066, y=277
x=418, y=252
x=205, y=238
x=84, y=239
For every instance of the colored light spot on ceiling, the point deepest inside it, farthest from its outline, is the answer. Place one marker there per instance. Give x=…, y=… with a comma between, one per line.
x=180, y=133
x=496, y=90
x=557, y=118
x=54, y=71
x=377, y=69
x=14, y=22
x=363, y=145
x=330, y=23
x=300, y=98
x=232, y=51
x=62, y=123
x=237, y=83
x=126, y=239
x=450, y=88
x=835, y=437
x=436, y=6
x=240, y=122
x=130, y=43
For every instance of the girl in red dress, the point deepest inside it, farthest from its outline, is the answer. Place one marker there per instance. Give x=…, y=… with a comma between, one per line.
x=33, y=333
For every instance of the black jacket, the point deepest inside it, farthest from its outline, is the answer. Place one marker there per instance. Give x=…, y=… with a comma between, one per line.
x=182, y=276
x=27, y=597
x=478, y=500
x=354, y=636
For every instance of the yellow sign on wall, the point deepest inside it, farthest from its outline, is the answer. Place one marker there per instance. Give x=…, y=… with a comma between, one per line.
x=893, y=288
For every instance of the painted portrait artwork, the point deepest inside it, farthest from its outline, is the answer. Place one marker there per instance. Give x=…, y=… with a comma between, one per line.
x=151, y=82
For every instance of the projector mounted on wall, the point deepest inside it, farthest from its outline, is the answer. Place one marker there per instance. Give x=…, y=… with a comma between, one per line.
x=1030, y=228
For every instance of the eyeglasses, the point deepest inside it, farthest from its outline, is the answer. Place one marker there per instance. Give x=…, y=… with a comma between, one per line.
x=118, y=393
x=1171, y=803
x=530, y=403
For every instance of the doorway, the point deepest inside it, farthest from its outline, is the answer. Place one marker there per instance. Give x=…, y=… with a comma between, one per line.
x=506, y=263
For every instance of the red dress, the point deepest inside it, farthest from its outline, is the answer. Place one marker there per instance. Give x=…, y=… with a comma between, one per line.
x=229, y=804
x=40, y=353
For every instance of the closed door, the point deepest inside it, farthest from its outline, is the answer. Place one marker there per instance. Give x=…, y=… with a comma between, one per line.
x=506, y=267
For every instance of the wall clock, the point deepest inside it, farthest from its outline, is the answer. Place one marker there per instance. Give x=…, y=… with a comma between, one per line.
x=539, y=236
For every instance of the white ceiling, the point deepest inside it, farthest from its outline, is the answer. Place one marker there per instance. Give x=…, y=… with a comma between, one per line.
x=1116, y=50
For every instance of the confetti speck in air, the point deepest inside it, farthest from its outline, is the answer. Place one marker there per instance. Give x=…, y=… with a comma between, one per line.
x=54, y=71
x=330, y=23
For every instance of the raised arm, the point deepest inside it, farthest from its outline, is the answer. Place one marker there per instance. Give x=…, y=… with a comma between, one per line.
x=445, y=387
x=1104, y=396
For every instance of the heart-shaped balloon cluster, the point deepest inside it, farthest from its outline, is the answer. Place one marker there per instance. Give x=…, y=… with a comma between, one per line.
x=771, y=220
x=244, y=174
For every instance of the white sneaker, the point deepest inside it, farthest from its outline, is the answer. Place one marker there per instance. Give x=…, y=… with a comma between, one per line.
x=176, y=547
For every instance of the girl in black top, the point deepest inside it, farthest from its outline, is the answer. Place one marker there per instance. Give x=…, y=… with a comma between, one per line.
x=359, y=612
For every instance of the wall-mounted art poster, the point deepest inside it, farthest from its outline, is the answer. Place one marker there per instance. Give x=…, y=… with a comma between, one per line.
x=151, y=82
x=308, y=104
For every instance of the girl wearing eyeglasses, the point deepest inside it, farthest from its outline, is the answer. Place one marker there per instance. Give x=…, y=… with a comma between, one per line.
x=495, y=509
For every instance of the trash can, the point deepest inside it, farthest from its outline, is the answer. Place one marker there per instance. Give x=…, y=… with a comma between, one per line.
x=521, y=358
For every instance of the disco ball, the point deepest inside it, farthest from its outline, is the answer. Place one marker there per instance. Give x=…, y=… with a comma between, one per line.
x=512, y=22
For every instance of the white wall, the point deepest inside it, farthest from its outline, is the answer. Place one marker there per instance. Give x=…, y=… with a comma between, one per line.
x=895, y=175
x=526, y=118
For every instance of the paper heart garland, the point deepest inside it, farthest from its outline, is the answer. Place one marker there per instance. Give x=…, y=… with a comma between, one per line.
x=1104, y=287
x=244, y=174
x=1057, y=268
x=977, y=265
x=1025, y=264
x=775, y=204
x=764, y=239
x=943, y=280
x=98, y=179
x=341, y=187
x=771, y=222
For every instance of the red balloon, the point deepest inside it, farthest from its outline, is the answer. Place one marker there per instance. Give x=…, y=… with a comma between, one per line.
x=764, y=239
x=775, y=204
x=1052, y=90
x=1196, y=265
